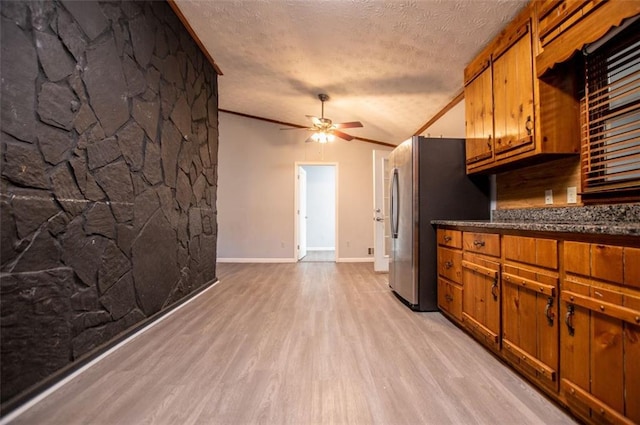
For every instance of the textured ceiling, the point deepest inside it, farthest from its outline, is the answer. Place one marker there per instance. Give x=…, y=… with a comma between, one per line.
x=390, y=64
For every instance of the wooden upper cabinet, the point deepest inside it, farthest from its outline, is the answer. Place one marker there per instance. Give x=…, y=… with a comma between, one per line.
x=513, y=96
x=520, y=102
x=479, y=119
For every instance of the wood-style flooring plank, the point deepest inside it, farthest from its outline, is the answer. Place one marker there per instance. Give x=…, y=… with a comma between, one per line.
x=306, y=343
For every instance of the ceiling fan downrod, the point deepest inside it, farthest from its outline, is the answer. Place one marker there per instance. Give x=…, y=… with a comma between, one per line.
x=323, y=98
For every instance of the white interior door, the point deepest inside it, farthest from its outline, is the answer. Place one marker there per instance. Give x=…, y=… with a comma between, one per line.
x=302, y=213
x=381, y=227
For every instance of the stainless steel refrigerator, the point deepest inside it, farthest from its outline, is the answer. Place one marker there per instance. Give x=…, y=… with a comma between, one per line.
x=428, y=182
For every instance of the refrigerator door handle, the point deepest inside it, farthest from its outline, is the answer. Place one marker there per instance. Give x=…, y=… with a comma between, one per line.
x=395, y=192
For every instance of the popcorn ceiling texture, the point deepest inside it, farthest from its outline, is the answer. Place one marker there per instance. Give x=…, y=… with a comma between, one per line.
x=109, y=174
x=390, y=64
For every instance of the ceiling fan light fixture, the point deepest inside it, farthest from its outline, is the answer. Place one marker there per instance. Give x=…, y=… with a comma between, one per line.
x=323, y=137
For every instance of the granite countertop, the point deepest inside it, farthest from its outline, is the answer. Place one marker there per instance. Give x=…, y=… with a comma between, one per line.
x=620, y=220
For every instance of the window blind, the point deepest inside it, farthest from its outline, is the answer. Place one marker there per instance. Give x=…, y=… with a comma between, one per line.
x=610, y=114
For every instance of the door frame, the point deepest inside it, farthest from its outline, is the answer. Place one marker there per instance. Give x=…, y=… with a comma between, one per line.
x=302, y=209
x=380, y=260
x=296, y=201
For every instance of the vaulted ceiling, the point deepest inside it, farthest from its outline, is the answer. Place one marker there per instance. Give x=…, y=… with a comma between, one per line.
x=390, y=64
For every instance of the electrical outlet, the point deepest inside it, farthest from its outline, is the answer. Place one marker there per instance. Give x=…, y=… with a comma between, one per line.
x=370, y=251
x=572, y=195
x=548, y=197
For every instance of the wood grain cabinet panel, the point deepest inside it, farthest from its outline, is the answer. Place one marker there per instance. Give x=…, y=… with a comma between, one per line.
x=481, y=298
x=479, y=120
x=513, y=97
x=450, y=298
x=534, y=251
x=632, y=267
x=482, y=243
x=450, y=264
x=450, y=238
x=450, y=272
x=564, y=313
x=600, y=354
x=516, y=95
x=530, y=323
x=577, y=257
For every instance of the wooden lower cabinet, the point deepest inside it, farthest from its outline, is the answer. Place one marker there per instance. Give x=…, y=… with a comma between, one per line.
x=450, y=273
x=600, y=352
x=530, y=323
x=564, y=313
x=450, y=298
x=481, y=298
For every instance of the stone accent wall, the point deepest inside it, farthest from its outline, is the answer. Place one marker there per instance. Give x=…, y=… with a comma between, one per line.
x=108, y=176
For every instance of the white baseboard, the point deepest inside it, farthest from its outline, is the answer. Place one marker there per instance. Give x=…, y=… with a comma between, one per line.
x=355, y=260
x=321, y=248
x=256, y=260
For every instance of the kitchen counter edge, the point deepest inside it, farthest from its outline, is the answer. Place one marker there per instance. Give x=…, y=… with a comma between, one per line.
x=613, y=229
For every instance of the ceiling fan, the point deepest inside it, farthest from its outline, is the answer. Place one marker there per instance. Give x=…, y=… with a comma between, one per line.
x=324, y=130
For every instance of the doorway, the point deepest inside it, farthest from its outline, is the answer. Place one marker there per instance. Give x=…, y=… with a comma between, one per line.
x=316, y=212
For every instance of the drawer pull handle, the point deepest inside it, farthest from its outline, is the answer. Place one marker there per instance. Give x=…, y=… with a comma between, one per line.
x=448, y=265
x=494, y=288
x=548, y=312
x=447, y=238
x=568, y=320
x=478, y=244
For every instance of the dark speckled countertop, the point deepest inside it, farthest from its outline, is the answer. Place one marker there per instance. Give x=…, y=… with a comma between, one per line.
x=622, y=220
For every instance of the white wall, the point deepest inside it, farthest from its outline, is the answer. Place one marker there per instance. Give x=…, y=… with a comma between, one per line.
x=450, y=124
x=321, y=206
x=256, y=190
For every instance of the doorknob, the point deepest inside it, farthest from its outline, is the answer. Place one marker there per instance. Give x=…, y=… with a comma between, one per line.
x=379, y=219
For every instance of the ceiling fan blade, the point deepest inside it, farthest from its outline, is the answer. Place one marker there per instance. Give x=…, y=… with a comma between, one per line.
x=342, y=135
x=309, y=140
x=352, y=124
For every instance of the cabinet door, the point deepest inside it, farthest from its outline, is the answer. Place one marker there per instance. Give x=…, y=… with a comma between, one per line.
x=513, y=98
x=481, y=298
x=479, y=120
x=530, y=326
x=574, y=350
x=599, y=355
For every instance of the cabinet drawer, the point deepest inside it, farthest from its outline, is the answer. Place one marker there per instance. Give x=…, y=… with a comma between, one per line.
x=450, y=264
x=535, y=251
x=632, y=267
x=605, y=262
x=450, y=298
x=450, y=238
x=482, y=243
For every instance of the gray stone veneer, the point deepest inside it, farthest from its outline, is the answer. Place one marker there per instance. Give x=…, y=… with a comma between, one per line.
x=109, y=170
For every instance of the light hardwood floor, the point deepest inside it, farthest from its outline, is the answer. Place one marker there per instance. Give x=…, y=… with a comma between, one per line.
x=306, y=343
x=319, y=256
